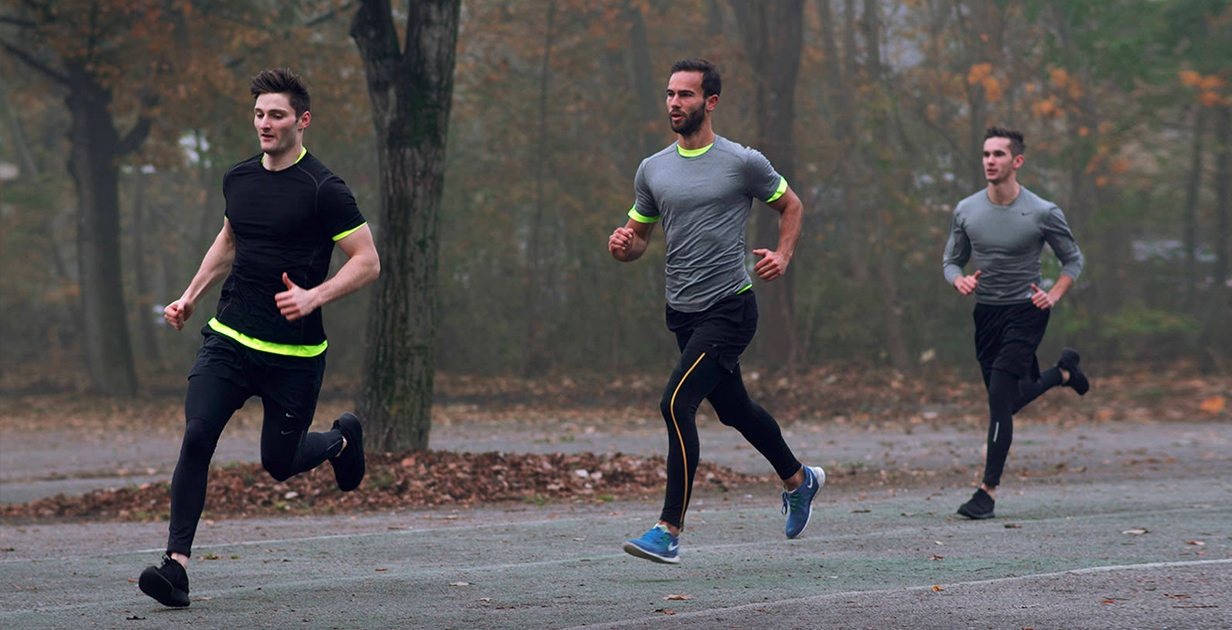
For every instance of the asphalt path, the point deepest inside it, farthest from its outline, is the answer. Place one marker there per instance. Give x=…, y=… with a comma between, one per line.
x=1099, y=526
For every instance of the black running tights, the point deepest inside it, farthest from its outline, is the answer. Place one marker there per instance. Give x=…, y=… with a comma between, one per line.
x=1006, y=396
x=699, y=377
x=286, y=450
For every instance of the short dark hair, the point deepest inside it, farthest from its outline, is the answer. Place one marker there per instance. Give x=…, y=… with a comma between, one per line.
x=712, y=83
x=283, y=81
x=1017, y=144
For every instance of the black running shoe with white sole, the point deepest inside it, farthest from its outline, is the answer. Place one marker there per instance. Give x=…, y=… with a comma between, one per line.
x=979, y=507
x=167, y=583
x=349, y=464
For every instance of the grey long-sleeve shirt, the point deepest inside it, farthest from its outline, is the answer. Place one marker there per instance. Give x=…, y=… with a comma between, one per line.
x=1004, y=243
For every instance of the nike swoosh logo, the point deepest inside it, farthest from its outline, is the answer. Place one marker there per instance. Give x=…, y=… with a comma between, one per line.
x=673, y=546
x=290, y=415
x=288, y=432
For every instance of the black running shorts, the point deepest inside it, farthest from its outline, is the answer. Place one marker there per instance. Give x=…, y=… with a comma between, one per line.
x=722, y=331
x=1007, y=336
x=293, y=383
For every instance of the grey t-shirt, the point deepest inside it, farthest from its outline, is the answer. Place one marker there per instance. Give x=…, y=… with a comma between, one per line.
x=1004, y=243
x=703, y=198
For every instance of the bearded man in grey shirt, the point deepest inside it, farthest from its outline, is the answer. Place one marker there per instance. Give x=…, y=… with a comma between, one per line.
x=1002, y=231
x=702, y=189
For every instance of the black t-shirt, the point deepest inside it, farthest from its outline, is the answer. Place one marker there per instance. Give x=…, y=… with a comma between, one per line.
x=283, y=221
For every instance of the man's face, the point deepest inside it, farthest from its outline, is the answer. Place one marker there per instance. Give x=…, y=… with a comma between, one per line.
x=999, y=165
x=686, y=107
x=277, y=127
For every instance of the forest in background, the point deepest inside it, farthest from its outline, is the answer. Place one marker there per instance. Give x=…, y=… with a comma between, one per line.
x=874, y=111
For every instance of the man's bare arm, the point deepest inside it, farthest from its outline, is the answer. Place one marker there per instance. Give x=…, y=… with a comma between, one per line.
x=214, y=267
x=773, y=263
x=363, y=265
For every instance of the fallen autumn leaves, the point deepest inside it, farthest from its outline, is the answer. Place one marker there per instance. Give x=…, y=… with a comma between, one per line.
x=395, y=480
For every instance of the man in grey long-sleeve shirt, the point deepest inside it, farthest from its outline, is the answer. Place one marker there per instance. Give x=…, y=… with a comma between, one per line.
x=1002, y=231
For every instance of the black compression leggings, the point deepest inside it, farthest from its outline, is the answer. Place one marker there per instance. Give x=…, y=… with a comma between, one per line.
x=286, y=449
x=1006, y=396
x=699, y=377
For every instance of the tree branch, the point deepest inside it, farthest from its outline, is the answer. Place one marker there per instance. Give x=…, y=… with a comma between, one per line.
x=17, y=21
x=135, y=136
x=321, y=19
x=36, y=64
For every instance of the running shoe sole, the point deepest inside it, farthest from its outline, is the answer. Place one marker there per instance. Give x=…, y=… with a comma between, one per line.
x=154, y=584
x=634, y=550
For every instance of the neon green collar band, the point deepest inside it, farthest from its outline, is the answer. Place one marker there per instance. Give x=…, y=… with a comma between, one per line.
x=692, y=153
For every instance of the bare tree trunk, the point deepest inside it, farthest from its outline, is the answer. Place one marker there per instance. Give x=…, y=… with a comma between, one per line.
x=1223, y=195
x=1112, y=290
x=847, y=81
x=411, y=92
x=773, y=40
x=141, y=271
x=30, y=170
x=650, y=108
x=94, y=164
x=977, y=105
x=652, y=124
x=535, y=355
x=1191, y=209
x=887, y=256
x=1219, y=347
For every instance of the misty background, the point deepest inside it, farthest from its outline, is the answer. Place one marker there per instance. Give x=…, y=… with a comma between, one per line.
x=873, y=110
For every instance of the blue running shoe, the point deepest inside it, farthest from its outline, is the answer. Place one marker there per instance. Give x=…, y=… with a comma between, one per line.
x=798, y=504
x=656, y=545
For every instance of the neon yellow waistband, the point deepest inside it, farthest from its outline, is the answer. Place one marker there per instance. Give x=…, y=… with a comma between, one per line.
x=284, y=349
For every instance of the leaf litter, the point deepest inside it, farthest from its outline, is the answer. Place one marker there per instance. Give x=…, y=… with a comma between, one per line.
x=394, y=481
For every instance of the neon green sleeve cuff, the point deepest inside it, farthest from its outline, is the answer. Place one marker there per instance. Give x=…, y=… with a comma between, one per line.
x=641, y=218
x=781, y=189
x=342, y=235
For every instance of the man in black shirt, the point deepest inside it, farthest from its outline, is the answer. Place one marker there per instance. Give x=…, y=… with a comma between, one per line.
x=284, y=213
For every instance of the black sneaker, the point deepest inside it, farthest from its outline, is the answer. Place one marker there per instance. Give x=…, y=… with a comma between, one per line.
x=1069, y=362
x=349, y=464
x=167, y=583
x=979, y=507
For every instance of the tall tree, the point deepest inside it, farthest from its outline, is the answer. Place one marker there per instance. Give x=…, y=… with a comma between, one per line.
x=1217, y=327
x=773, y=37
x=411, y=89
x=89, y=48
x=886, y=150
x=538, y=250
x=143, y=226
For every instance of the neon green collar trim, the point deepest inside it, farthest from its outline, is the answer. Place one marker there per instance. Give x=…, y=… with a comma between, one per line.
x=692, y=153
x=302, y=152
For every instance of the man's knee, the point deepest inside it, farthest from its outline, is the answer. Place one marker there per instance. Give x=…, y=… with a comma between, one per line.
x=199, y=441
x=281, y=469
x=1003, y=382
x=670, y=408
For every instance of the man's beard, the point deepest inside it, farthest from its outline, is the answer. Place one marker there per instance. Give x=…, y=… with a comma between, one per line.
x=691, y=123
